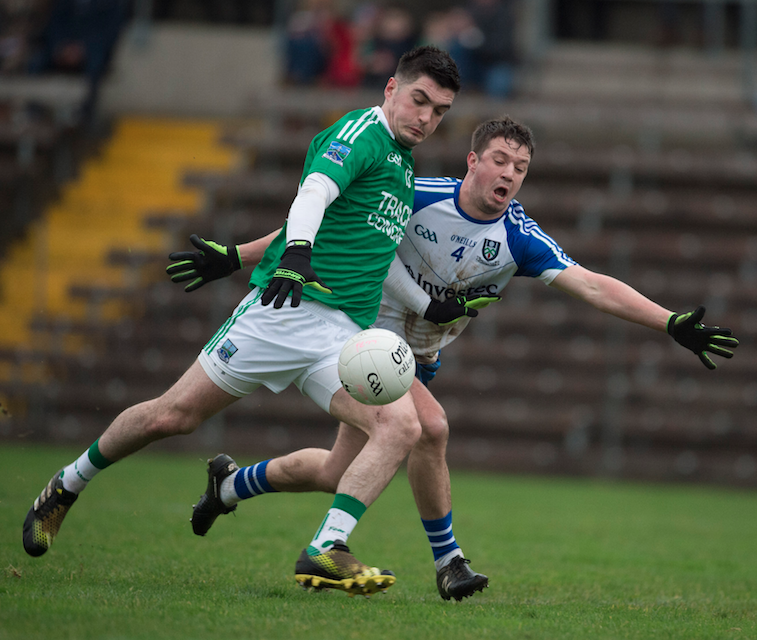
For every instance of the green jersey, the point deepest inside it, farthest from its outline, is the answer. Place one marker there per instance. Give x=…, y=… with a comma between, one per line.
x=362, y=228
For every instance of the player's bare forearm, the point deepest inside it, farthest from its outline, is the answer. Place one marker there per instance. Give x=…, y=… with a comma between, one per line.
x=612, y=296
x=252, y=252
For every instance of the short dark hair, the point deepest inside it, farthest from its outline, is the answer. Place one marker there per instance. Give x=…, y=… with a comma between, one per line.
x=432, y=62
x=505, y=128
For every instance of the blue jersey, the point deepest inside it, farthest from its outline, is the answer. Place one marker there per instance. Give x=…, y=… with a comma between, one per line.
x=447, y=252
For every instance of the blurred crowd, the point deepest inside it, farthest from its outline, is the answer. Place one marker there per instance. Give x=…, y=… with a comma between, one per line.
x=327, y=48
x=61, y=36
x=323, y=45
x=330, y=43
x=66, y=36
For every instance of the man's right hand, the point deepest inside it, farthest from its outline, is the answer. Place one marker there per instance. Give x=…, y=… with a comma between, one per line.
x=211, y=262
x=451, y=310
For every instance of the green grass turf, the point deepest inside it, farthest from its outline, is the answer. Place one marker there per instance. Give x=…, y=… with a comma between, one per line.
x=566, y=559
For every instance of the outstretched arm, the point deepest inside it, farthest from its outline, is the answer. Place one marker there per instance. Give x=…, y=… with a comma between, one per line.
x=214, y=261
x=617, y=298
x=250, y=253
x=612, y=296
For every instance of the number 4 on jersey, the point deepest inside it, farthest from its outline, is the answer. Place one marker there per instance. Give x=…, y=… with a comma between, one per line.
x=457, y=254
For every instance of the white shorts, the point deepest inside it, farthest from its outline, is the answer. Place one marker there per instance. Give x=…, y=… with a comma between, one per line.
x=261, y=345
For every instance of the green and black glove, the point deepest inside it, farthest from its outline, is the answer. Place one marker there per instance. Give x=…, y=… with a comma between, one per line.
x=211, y=262
x=451, y=310
x=293, y=273
x=687, y=330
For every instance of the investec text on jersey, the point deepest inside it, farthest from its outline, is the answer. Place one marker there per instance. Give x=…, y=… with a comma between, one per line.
x=448, y=292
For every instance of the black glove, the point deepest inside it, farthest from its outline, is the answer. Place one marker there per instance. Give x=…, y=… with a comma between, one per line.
x=687, y=330
x=451, y=310
x=211, y=262
x=293, y=273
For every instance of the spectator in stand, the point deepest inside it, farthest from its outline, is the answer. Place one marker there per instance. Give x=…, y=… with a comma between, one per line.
x=320, y=47
x=437, y=29
x=484, y=45
x=364, y=22
x=343, y=68
x=395, y=33
x=20, y=21
x=306, y=44
x=79, y=38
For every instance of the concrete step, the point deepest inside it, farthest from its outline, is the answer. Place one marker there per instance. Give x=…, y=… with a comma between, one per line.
x=671, y=76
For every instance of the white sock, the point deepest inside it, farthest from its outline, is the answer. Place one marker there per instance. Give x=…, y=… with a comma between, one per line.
x=337, y=525
x=228, y=493
x=446, y=559
x=79, y=473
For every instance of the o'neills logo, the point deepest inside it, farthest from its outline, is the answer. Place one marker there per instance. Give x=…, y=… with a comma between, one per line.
x=399, y=354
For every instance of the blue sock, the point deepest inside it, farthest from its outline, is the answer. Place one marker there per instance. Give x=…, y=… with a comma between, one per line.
x=251, y=481
x=440, y=536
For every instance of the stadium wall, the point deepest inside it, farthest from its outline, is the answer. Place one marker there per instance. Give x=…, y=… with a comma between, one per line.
x=189, y=70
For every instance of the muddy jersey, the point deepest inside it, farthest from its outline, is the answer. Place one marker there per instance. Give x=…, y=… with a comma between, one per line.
x=447, y=252
x=362, y=228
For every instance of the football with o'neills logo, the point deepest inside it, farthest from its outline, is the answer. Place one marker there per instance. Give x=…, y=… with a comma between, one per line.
x=376, y=366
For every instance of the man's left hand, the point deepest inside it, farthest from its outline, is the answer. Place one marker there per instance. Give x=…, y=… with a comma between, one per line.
x=688, y=331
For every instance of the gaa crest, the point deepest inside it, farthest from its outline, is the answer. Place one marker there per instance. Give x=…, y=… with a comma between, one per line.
x=490, y=249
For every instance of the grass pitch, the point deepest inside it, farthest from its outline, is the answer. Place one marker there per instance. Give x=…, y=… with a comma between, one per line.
x=566, y=559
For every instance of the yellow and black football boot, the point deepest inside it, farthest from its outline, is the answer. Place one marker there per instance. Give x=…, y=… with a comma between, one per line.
x=338, y=569
x=46, y=515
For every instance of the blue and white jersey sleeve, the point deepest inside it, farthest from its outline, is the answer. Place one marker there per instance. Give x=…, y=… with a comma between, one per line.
x=446, y=252
x=536, y=254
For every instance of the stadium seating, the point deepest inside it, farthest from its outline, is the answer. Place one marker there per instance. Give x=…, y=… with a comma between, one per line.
x=60, y=289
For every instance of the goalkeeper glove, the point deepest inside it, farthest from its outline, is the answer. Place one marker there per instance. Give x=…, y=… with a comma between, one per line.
x=687, y=330
x=293, y=273
x=451, y=310
x=211, y=262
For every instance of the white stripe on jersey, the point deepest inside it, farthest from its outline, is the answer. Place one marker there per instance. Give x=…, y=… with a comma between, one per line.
x=435, y=185
x=350, y=134
x=344, y=129
x=434, y=189
x=351, y=139
x=529, y=227
x=425, y=183
x=352, y=125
